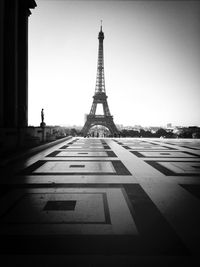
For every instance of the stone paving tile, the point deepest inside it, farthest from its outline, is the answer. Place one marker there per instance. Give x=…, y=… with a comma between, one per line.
x=106, y=196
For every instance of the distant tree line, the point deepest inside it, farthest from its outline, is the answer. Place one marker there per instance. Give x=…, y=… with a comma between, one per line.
x=142, y=133
x=190, y=132
x=73, y=132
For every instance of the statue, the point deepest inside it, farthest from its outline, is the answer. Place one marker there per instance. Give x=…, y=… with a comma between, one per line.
x=42, y=115
x=42, y=124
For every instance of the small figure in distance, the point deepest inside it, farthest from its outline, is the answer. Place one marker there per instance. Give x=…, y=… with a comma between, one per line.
x=42, y=115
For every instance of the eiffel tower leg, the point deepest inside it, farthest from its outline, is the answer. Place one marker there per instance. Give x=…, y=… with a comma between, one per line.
x=86, y=127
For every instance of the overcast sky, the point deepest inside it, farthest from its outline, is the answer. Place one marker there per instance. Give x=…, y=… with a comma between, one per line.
x=151, y=57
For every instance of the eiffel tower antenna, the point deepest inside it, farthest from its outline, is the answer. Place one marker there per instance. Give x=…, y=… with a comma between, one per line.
x=100, y=97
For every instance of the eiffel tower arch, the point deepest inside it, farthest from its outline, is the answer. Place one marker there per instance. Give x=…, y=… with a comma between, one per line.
x=100, y=97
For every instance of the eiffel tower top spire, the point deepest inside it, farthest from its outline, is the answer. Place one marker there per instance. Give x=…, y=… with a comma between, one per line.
x=100, y=80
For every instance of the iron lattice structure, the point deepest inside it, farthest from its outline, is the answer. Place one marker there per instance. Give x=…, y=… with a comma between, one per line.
x=100, y=97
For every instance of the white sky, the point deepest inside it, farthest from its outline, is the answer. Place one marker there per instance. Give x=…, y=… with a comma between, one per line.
x=151, y=57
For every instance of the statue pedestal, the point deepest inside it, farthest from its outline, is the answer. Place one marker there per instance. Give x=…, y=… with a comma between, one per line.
x=42, y=124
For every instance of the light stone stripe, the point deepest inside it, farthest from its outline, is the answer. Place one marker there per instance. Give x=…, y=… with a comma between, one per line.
x=179, y=207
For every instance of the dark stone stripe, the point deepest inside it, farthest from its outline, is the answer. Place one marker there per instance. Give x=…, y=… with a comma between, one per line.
x=155, y=231
x=168, y=172
x=194, y=189
x=140, y=155
x=111, y=154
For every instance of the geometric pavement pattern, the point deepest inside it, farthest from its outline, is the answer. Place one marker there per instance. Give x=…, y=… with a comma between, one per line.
x=122, y=196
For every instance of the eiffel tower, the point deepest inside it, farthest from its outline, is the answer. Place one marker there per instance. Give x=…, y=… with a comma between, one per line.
x=100, y=97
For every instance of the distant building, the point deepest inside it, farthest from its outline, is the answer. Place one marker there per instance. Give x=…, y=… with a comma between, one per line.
x=169, y=125
x=154, y=129
x=137, y=127
x=120, y=126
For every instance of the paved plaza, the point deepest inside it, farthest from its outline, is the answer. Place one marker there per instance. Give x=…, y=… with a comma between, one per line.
x=103, y=202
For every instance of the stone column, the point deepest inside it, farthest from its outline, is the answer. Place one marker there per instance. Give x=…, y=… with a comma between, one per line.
x=22, y=66
x=10, y=57
x=13, y=69
x=1, y=61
